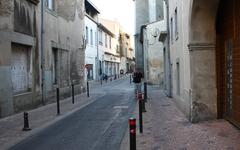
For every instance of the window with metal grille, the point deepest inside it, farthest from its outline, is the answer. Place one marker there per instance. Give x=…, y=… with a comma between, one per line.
x=229, y=46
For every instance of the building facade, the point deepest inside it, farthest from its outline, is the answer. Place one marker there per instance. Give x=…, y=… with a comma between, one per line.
x=153, y=51
x=204, y=53
x=149, y=50
x=91, y=36
x=108, y=55
x=36, y=59
x=127, y=53
x=142, y=17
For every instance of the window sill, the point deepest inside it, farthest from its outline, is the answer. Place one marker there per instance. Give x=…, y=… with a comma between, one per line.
x=22, y=94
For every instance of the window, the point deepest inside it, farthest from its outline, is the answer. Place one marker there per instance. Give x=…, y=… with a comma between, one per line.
x=105, y=40
x=21, y=68
x=171, y=29
x=50, y=4
x=100, y=37
x=96, y=40
x=176, y=22
x=91, y=36
x=87, y=39
x=110, y=42
x=117, y=49
x=178, y=79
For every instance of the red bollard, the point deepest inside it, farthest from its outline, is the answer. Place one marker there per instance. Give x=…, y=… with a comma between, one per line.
x=132, y=131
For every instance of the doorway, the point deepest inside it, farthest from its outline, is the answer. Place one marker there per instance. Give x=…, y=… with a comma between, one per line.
x=228, y=60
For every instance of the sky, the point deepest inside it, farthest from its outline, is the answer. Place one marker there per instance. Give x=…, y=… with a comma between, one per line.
x=120, y=10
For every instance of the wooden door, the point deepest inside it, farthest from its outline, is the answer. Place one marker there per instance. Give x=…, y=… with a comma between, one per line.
x=228, y=60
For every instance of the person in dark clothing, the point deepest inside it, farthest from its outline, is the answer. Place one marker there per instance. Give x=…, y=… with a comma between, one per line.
x=137, y=79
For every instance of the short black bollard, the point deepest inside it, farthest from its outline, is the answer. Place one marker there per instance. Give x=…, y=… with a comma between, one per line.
x=143, y=104
x=101, y=81
x=132, y=133
x=87, y=89
x=140, y=102
x=26, y=123
x=58, y=102
x=145, y=91
x=73, y=94
x=130, y=79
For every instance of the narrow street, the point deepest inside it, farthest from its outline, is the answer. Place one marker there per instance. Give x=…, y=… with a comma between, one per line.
x=183, y=55
x=100, y=125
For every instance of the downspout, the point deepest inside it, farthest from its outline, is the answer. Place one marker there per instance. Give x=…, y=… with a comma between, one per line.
x=144, y=57
x=145, y=54
x=98, y=64
x=168, y=52
x=43, y=53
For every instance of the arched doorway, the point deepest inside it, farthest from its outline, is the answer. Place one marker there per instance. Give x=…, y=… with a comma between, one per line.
x=214, y=43
x=202, y=37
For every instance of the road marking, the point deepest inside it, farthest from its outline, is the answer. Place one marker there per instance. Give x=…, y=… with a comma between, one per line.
x=120, y=107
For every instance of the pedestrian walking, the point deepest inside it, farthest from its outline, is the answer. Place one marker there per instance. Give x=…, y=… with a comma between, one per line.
x=137, y=79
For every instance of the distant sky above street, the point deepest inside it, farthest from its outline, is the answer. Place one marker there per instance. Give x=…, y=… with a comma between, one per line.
x=121, y=10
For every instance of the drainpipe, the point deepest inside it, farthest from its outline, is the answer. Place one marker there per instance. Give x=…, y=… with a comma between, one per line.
x=145, y=53
x=43, y=52
x=98, y=67
x=168, y=52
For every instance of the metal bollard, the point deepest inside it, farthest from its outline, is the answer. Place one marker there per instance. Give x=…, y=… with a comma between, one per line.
x=143, y=105
x=132, y=133
x=140, y=102
x=130, y=79
x=73, y=94
x=145, y=91
x=87, y=89
x=26, y=123
x=101, y=81
x=58, y=102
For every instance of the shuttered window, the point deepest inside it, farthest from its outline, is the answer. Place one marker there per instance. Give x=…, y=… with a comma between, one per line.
x=20, y=68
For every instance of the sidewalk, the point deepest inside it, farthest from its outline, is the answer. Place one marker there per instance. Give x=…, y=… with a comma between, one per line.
x=11, y=127
x=166, y=128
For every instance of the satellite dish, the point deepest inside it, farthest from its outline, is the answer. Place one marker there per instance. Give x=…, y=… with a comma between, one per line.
x=155, y=32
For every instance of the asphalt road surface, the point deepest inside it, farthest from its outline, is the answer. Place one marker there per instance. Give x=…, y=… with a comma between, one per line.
x=98, y=126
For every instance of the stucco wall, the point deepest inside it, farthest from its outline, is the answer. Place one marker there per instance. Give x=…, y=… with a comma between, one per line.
x=180, y=54
x=194, y=50
x=155, y=53
x=63, y=30
x=91, y=52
